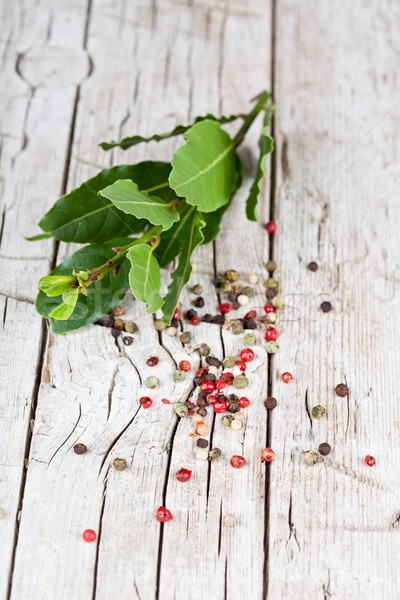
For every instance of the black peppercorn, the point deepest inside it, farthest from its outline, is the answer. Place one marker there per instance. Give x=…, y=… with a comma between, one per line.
x=234, y=407
x=213, y=360
x=232, y=297
x=326, y=306
x=190, y=314
x=324, y=449
x=250, y=324
x=341, y=390
x=127, y=340
x=201, y=402
x=271, y=293
x=202, y=412
x=312, y=266
x=222, y=398
x=197, y=380
x=202, y=443
x=106, y=321
x=202, y=395
x=199, y=302
x=115, y=332
x=80, y=449
x=207, y=318
x=218, y=319
x=270, y=403
x=174, y=323
x=209, y=377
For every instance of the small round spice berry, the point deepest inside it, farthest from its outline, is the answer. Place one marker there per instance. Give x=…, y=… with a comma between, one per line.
x=271, y=227
x=239, y=416
x=268, y=454
x=106, y=321
x=183, y=475
x=369, y=460
x=247, y=354
x=286, y=377
x=201, y=454
x=233, y=406
x=190, y=314
x=240, y=381
x=119, y=464
x=271, y=317
x=244, y=402
x=202, y=429
x=178, y=375
x=177, y=314
x=115, y=332
x=152, y=361
x=207, y=386
x=236, y=425
x=237, y=462
x=165, y=401
x=341, y=390
x=271, y=334
x=271, y=266
x=181, y=410
x=195, y=321
x=235, y=326
x=250, y=315
x=252, y=278
x=318, y=411
x=227, y=421
x=231, y=275
x=146, y=402
x=213, y=360
x=202, y=412
x=185, y=337
x=158, y=324
x=271, y=283
x=127, y=340
x=163, y=514
x=225, y=287
x=310, y=457
x=326, y=306
x=249, y=339
x=185, y=365
x=80, y=449
x=312, y=266
x=172, y=331
x=243, y=299
x=225, y=307
x=269, y=308
x=220, y=407
x=228, y=377
x=197, y=289
x=89, y=535
x=270, y=403
x=202, y=443
x=152, y=382
x=220, y=384
x=277, y=301
x=272, y=347
x=241, y=364
x=119, y=323
x=324, y=448
x=214, y=454
x=229, y=362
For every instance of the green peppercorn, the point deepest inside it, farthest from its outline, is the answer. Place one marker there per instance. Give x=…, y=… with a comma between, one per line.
x=277, y=302
x=131, y=327
x=119, y=464
x=197, y=289
x=272, y=347
x=158, y=324
x=248, y=291
x=249, y=339
x=271, y=266
x=271, y=283
x=185, y=337
x=236, y=326
x=152, y=382
x=181, y=410
x=240, y=381
x=225, y=287
x=203, y=350
x=231, y=275
x=119, y=323
x=229, y=362
x=179, y=375
x=310, y=457
x=214, y=454
x=318, y=411
x=226, y=421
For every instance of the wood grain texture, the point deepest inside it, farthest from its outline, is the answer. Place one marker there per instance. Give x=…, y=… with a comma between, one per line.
x=333, y=527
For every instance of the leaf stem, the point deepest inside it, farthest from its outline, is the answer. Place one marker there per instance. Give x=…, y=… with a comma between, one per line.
x=262, y=100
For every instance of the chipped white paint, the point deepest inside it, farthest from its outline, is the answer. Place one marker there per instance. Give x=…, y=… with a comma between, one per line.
x=77, y=75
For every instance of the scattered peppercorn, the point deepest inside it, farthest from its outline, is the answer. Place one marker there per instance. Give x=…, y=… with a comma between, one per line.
x=106, y=321
x=115, y=332
x=312, y=266
x=178, y=375
x=181, y=410
x=152, y=361
x=324, y=448
x=202, y=429
x=271, y=266
x=202, y=411
x=310, y=457
x=203, y=350
x=158, y=324
x=213, y=360
x=233, y=406
x=244, y=402
x=199, y=302
x=185, y=337
x=225, y=307
x=249, y=339
x=89, y=535
x=237, y=462
x=202, y=443
x=318, y=411
x=277, y=301
x=218, y=320
x=190, y=314
x=369, y=460
x=271, y=293
x=152, y=382
x=127, y=340
x=286, y=377
x=270, y=403
x=270, y=227
x=252, y=278
x=184, y=365
x=227, y=421
x=146, y=402
x=271, y=283
x=214, y=454
x=225, y=287
x=165, y=401
x=80, y=449
x=197, y=289
x=341, y=390
x=218, y=281
x=172, y=331
x=229, y=362
x=326, y=306
x=201, y=454
x=183, y=475
x=271, y=334
x=247, y=354
x=240, y=381
x=236, y=424
x=272, y=347
x=219, y=406
x=231, y=275
x=236, y=326
x=268, y=454
x=119, y=323
x=207, y=318
x=119, y=464
x=163, y=514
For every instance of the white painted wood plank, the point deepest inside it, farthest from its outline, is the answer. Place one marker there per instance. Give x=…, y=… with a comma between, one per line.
x=333, y=527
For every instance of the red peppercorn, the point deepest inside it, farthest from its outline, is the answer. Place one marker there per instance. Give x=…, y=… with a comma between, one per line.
x=225, y=307
x=269, y=308
x=146, y=402
x=220, y=384
x=369, y=460
x=201, y=372
x=152, y=361
x=244, y=402
x=271, y=227
x=184, y=365
x=247, y=354
x=163, y=514
x=241, y=364
x=227, y=377
x=268, y=454
x=165, y=401
x=220, y=406
x=286, y=377
x=177, y=314
x=195, y=320
x=250, y=315
x=183, y=475
x=237, y=462
x=89, y=535
x=207, y=386
x=271, y=334
x=211, y=398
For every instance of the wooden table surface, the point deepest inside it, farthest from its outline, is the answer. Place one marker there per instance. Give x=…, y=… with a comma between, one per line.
x=75, y=73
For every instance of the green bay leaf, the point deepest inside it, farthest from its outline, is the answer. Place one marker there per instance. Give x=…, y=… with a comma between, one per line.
x=64, y=310
x=55, y=285
x=266, y=145
x=83, y=216
x=204, y=169
x=144, y=276
x=172, y=240
x=126, y=196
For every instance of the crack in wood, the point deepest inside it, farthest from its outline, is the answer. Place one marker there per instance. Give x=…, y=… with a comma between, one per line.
x=292, y=528
x=69, y=435
x=308, y=408
x=99, y=532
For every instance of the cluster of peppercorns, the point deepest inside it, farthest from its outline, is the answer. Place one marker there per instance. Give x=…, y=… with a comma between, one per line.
x=118, y=325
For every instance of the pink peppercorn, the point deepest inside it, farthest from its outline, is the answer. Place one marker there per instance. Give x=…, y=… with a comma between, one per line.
x=369, y=460
x=225, y=307
x=89, y=535
x=163, y=514
x=237, y=462
x=270, y=227
x=268, y=454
